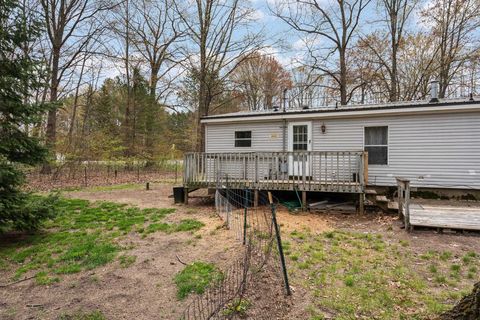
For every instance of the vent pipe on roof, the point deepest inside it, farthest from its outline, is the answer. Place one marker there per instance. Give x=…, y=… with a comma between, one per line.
x=434, y=91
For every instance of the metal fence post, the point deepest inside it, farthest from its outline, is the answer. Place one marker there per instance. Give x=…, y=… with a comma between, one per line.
x=176, y=171
x=245, y=217
x=279, y=243
x=227, y=196
x=85, y=176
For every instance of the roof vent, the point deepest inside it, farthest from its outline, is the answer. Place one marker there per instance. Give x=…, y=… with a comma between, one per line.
x=305, y=107
x=434, y=91
x=276, y=108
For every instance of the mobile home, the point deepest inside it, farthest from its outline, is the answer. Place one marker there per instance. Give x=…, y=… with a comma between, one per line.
x=434, y=144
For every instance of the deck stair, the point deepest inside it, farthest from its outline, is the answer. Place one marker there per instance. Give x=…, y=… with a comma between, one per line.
x=380, y=201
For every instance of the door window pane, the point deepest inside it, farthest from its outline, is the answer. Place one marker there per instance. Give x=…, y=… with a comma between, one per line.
x=300, y=138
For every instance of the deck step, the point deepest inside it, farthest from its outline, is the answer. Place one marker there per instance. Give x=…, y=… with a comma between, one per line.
x=392, y=205
x=381, y=199
x=370, y=191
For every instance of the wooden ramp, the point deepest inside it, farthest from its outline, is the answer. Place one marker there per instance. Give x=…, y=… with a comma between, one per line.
x=466, y=218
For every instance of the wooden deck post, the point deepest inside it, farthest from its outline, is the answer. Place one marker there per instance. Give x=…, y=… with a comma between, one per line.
x=365, y=168
x=304, y=200
x=361, y=203
x=255, y=198
x=185, y=195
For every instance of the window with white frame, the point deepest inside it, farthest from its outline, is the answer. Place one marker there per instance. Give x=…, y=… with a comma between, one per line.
x=243, y=139
x=376, y=144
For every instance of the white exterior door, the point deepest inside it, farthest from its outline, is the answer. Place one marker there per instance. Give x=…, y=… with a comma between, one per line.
x=299, y=140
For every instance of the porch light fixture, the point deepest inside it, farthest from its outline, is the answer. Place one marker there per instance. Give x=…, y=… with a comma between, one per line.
x=324, y=128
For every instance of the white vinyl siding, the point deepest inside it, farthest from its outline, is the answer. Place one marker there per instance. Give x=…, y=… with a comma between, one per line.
x=265, y=137
x=432, y=150
x=437, y=151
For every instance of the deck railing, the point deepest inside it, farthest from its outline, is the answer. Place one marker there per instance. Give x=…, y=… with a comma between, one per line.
x=326, y=171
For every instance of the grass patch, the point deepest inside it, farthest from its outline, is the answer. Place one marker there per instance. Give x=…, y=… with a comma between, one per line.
x=188, y=225
x=127, y=261
x=125, y=186
x=84, y=236
x=43, y=278
x=81, y=315
x=356, y=275
x=196, y=277
x=238, y=307
x=184, y=225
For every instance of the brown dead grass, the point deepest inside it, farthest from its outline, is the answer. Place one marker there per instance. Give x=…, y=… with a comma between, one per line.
x=144, y=290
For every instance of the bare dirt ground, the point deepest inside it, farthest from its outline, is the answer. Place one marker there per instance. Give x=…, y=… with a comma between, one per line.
x=389, y=227
x=419, y=241
x=145, y=290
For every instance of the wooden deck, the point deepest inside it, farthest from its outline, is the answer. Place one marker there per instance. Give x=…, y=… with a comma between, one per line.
x=323, y=171
x=465, y=218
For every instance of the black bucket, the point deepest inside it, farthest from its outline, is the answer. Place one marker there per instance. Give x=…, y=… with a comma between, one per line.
x=178, y=194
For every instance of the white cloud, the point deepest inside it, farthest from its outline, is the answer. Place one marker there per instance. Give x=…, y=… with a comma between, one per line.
x=287, y=60
x=258, y=14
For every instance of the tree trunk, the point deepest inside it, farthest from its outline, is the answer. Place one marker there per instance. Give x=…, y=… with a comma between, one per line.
x=467, y=309
x=75, y=105
x=343, y=78
x=202, y=96
x=149, y=121
x=126, y=123
x=50, y=133
x=393, y=81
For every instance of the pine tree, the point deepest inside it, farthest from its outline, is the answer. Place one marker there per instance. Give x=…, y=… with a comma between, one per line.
x=19, y=76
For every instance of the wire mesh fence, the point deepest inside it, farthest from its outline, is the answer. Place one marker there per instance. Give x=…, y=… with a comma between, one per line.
x=251, y=217
x=70, y=175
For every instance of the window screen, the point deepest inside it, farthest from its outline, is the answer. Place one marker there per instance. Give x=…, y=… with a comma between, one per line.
x=376, y=144
x=243, y=138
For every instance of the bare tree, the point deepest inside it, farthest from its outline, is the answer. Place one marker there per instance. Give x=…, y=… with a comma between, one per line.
x=259, y=79
x=455, y=26
x=122, y=52
x=396, y=14
x=305, y=91
x=416, y=66
x=71, y=25
x=157, y=31
x=330, y=29
x=219, y=35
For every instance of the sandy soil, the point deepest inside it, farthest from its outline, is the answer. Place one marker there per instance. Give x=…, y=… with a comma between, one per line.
x=419, y=242
x=144, y=290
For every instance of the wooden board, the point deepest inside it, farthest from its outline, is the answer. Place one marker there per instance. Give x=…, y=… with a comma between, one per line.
x=279, y=184
x=445, y=217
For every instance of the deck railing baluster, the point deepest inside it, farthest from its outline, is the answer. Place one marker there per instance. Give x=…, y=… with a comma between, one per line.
x=304, y=170
x=338, y=170
x=330, y=171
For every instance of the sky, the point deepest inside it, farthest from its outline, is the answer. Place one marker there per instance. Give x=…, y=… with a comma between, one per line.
x=281, y=42
x=293, y=42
